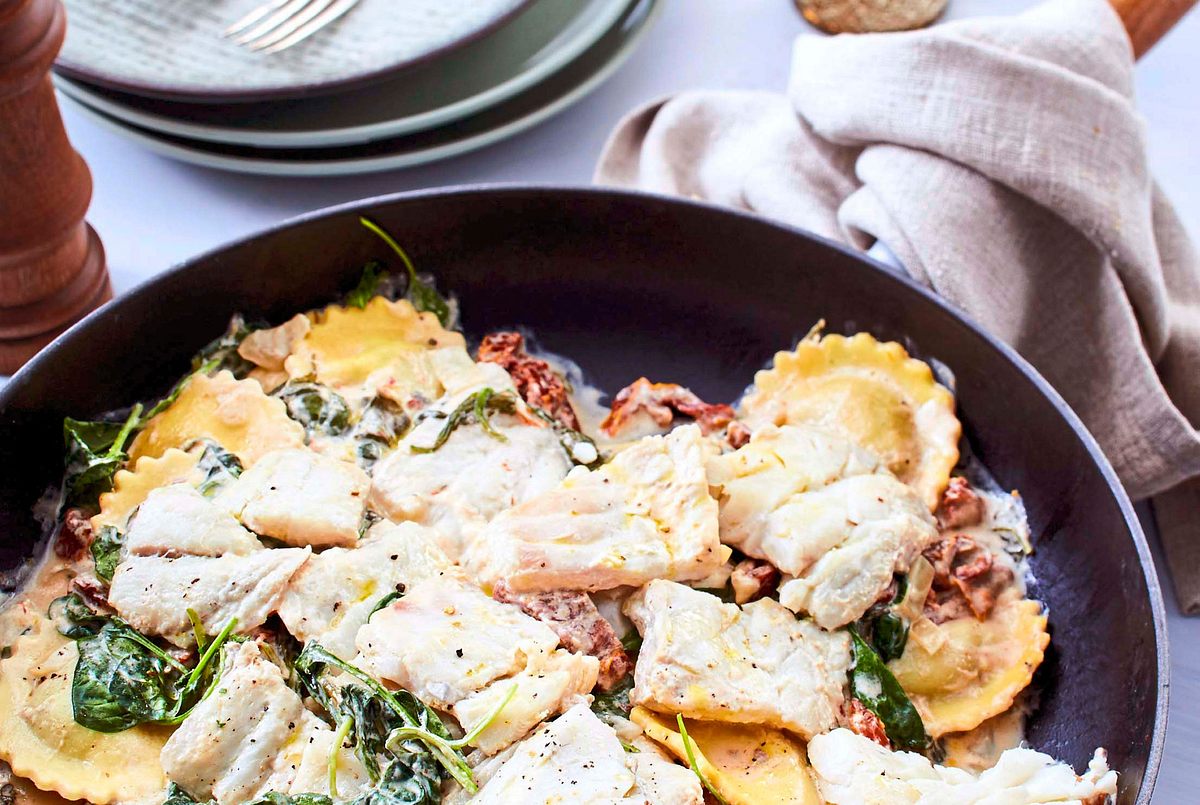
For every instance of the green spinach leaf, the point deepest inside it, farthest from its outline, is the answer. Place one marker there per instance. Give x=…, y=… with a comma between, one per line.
x=122, y=679
x=222, y=353
x=106, y=551
x=73, y=618
x=368, y=286
x=219, y=468
x=615, y=703
x=423, y=296
x=874, y=685
x=95, y=451
x=318, y=408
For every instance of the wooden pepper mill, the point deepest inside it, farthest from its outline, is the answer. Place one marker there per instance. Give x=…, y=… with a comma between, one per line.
x=52, y=268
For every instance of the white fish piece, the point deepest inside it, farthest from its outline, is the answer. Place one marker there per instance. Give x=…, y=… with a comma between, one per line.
x=300, y=497
x=312, y=773
x=659, y=779
x=755, y=664
x=153, y=593
x=542, y=690
x=853, y=770
x=646, y=514
x=446, y=639
x=330, y=597
x=578, y=759
x=247, y=738
x=176, y=520
x=458, y=488
x=824, y=512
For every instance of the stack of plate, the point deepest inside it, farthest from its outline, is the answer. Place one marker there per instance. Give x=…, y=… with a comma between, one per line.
x=392, y=83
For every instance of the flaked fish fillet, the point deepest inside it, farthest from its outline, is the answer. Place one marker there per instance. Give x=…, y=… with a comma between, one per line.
x=853, y=770
x=578, y=759
x=646, y=514
x=461, y=486
x=826, y=513
x=301, y=498
x=247, y=738
x=329, y=599
x=153, y=593
x=755, y=664
x=177, y=520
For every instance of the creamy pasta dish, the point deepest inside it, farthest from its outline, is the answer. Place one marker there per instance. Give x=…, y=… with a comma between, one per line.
x=354, y=557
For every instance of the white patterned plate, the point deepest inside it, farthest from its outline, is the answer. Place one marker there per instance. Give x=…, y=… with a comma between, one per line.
x=541, y=40
x=527, y=109
x=174, y=48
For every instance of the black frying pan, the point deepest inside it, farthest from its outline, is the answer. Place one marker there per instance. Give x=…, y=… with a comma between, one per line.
x=630, y=284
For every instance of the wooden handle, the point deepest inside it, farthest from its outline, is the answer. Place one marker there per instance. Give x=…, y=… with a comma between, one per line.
x=1148, y=21
x=52, y=269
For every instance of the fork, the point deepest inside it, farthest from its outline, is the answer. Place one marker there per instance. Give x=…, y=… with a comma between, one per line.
x=278, y=24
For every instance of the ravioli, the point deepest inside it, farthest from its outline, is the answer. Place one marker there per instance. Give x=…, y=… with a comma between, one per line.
x=41, y=741
x=235, y=414
x=963, y=672
x=875, y=394
x=388, y=343
x=132, y=487
x=747, y=764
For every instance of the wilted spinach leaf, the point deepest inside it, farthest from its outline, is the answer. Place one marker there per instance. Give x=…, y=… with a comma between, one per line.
x=874, y=685
x=106, y=551
x=222, y=353
x=614, y=703
x=95, y=451
x=219, y=466
x=122, y=679
x=318, y=408
x=120, y=682
x=73, y=618
x=177, y=796
x=423, y=296
x=883, y=626
x=368, y=286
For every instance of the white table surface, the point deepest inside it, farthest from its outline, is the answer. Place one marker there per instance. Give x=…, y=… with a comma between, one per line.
x=153, y=213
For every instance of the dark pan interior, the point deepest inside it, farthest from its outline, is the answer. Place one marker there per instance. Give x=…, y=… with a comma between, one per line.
x=629, y=285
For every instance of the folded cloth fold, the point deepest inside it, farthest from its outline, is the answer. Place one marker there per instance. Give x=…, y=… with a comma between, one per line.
x=1003, y=161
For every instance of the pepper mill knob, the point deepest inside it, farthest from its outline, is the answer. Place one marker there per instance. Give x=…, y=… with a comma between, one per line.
x=52, y=269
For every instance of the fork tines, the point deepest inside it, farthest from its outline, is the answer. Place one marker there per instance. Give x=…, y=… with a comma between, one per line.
x=278, y=24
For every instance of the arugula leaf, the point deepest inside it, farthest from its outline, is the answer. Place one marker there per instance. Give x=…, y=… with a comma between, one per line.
x=318, y=408
x=874, y=685
x=423, y=296
x=95, y=451
x=106, y=551
x=475, y=407
x=368, y=286
x=387, y=599
x=690, y=751
x=219, y=466
x=399, y=740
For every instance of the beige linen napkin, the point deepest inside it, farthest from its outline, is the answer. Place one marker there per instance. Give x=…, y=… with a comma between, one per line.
x=1004, y=163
